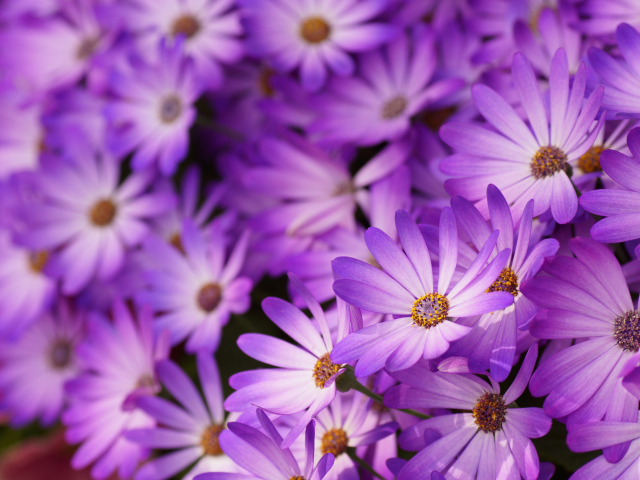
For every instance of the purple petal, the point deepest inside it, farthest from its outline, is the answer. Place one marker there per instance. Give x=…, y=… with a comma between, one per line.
x=416, y=249
x=500, y=217
x=276, y=352
x=488, y=302
x=599, y=435
x=610, y=202
x=522, y=379
x=531, y=422
x=558, y=324
x=370, y=298
x=529, y=92
x=564, y=201
x=621, y=168
x=448, y=251
x=182, y=388
x=523, y=452
x=619, y=228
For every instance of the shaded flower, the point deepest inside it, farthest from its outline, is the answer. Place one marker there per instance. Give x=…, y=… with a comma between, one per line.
x=525, y=163
x=601, y=19
x=425, y=312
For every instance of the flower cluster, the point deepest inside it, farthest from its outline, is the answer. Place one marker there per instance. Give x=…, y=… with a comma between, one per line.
x=341, y=239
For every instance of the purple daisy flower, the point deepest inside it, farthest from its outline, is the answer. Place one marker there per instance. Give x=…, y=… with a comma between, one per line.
x=620, y=206
x=306, y=377
x=314, y=36
x=154, y=110
x=25, y=289
x=35, y=368
x=492, y=342
x=525, y=162
x=392, y=85
x=88, y=218
x=210, y=30
x=262, y=456
x=406, y=289
x=344, y=424
x=491, y=441
x=195, y=293
x=118, y=360
x=585, y=298
x=193, y=429
x=603, y=435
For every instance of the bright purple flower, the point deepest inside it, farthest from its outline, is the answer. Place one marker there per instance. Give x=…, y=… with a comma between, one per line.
x=585, y=298
x=25, y=289
x=492, y=342
x=195, y=292
x=314, y=36
x=11, y=9
x=525, y=162
x=620, y=76
x=305, y=379
x=602, y=18
x=262, y=456
x=392, y=85
x=603, y=435
x=425, y=311
x=344, y=424
x=88, y=218
x=210, y=30
x=193, y=429
x=620, y=206
x=118, y=360
x=491, y=441
x=35, y=368
x=153, y=110
x=315, y=192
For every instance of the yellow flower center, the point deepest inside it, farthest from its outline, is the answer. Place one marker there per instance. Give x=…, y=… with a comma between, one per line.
x=430, y=310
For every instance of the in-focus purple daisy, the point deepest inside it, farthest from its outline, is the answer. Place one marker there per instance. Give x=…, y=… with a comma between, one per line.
x=621, y=206
x=262, y=457
x=392, y=85
x=25, y=289
x=153, y=110
x=490, y=440
x=195, y=293
x=585, y=298
x=193, y=428
x=314, y=36
x=87, y=218
x=305, y=379
x=620, y=76
x=118, y=360
x=210, y=30
x=425, y=310
x=525, y=161
x=35, y=368
x=343, y=425
x=491, y=345
x=602, y=435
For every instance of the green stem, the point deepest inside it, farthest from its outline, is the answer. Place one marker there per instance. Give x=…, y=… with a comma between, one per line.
x=352, y=455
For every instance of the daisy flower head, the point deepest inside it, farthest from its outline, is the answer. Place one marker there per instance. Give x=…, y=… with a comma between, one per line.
x=392, y=85
x=153, y=110
x=314, y=36
x=425, y=309
x=35, y=367
x=525, y=161
x=195, y=292
x=86, y=220
x=118, y=359
x=210, y=30
x=489, y=439
x=305, y=379
x=259, y=453
x=491, y=345
x=585, y=298
x=193, y=427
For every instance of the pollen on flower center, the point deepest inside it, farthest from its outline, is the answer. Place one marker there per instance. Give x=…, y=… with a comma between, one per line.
x=627, y=331
x=209, y=297
x=264, y=82
x=176, y=241
x=38, y=260
x=394, y=107
x=170, y=109
x=547, y=162
x=430, y=310
x=60, y=354
x=103, y=212
x=507, y=281
x=186, y=25
x=334, y=441
x=209, y=440
x=590, y=161
x=87, y=47
x=315, y=30
x=489, y=413
x=324, y=370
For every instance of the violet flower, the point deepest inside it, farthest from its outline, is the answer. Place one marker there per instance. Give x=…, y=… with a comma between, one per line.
x=425, y=311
